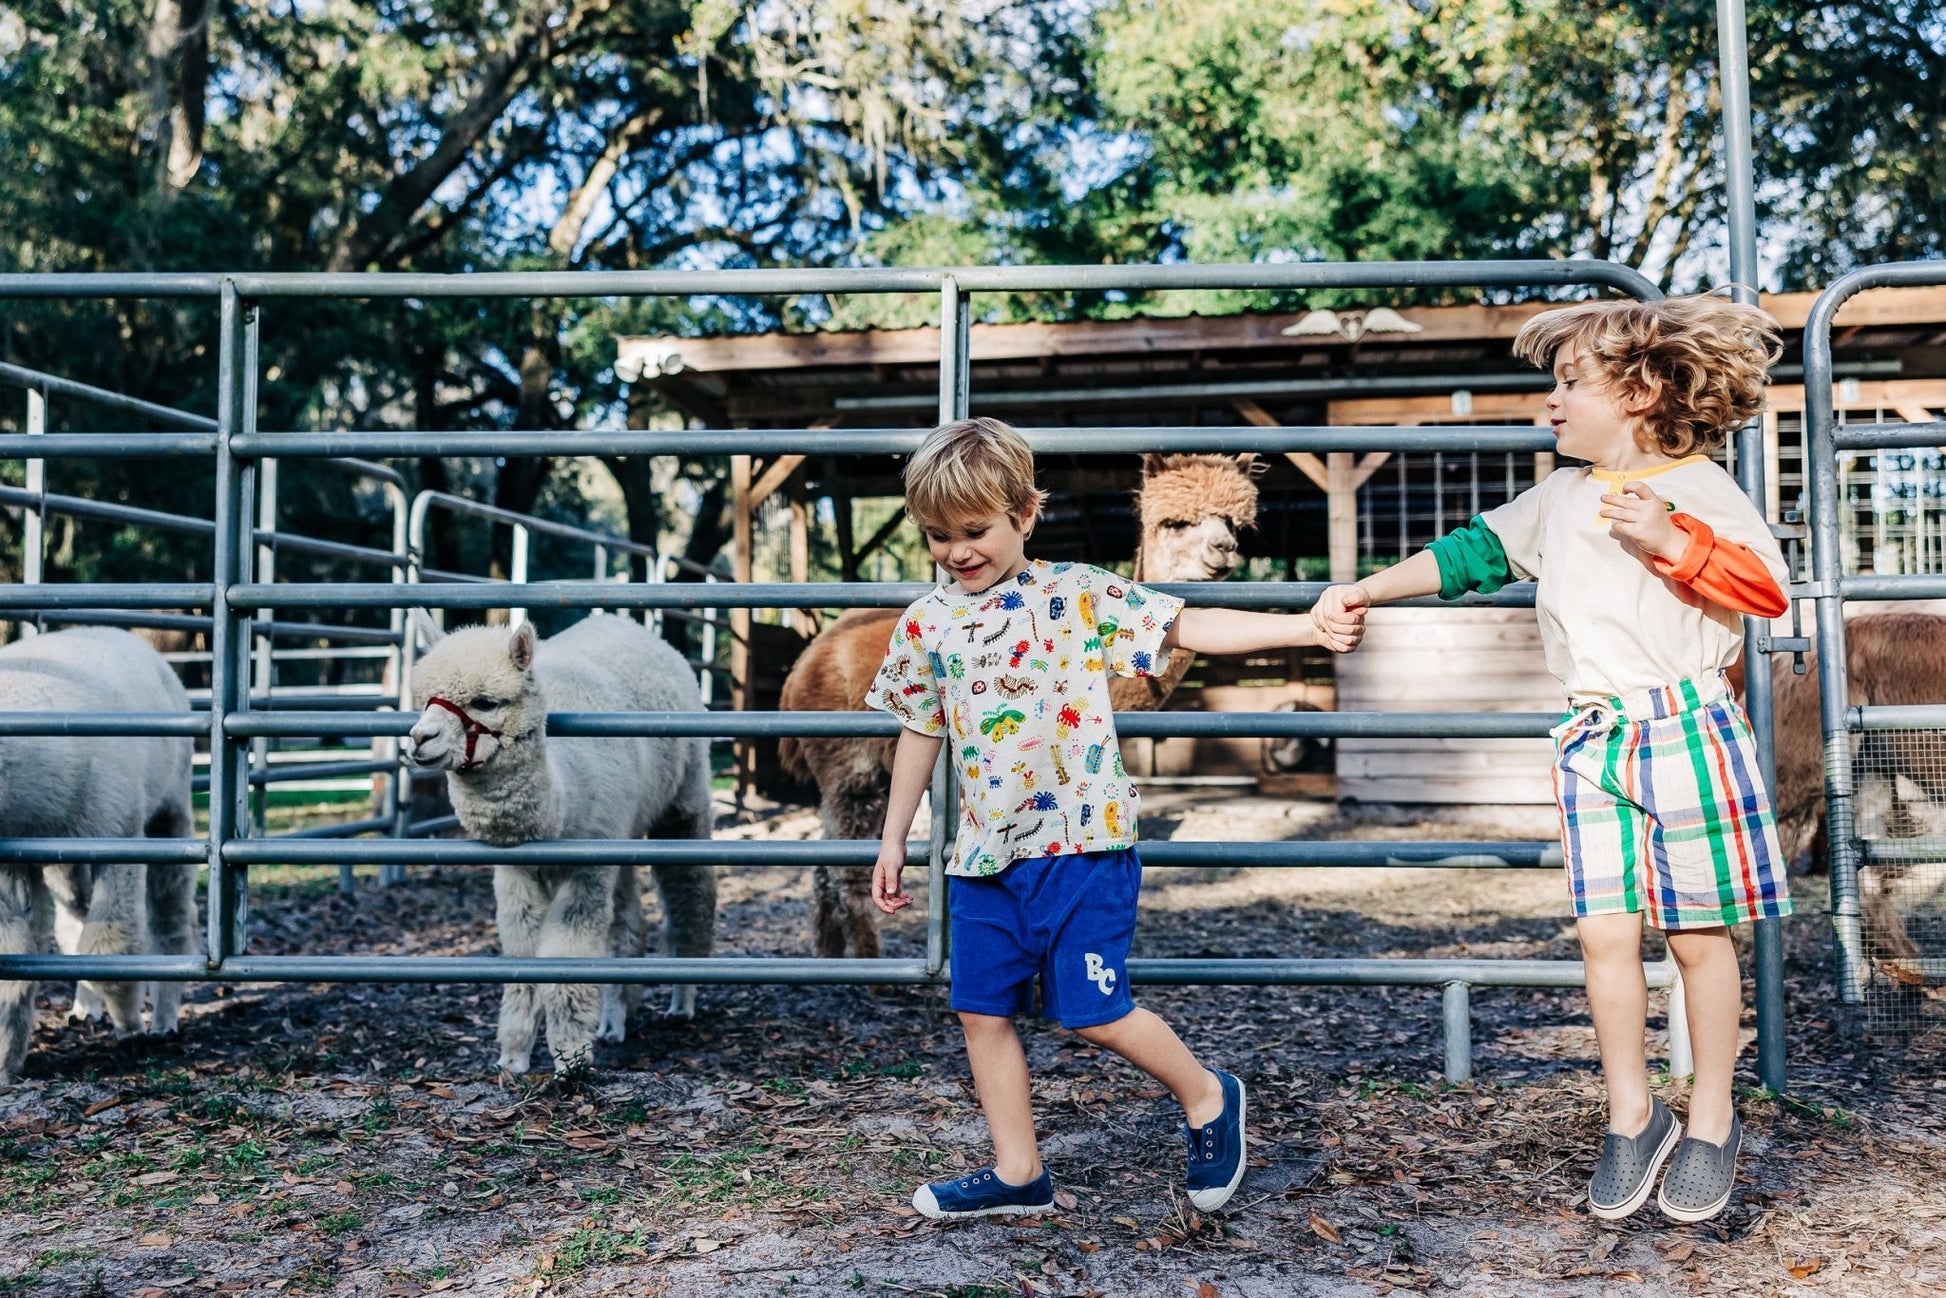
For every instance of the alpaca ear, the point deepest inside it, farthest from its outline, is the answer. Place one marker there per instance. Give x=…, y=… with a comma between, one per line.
x=521, y=648
x=1250, y=466
x=1151, y=464
x=427, y=629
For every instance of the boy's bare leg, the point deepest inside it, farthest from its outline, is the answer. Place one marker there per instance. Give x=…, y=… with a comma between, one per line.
x=1714, y=988
x=1000, y=1077
x=1618, y=999
x=1153, y=1046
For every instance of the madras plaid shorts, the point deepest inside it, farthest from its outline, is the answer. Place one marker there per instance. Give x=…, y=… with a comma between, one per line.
x=1664, y=811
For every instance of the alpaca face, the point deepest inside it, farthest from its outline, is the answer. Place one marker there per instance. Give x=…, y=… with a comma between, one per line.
x=1203, y=549
x=1193, y=507
x=486, y=673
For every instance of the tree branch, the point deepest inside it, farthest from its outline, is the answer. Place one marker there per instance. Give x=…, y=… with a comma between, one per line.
x=566, y=233
x=531, y=42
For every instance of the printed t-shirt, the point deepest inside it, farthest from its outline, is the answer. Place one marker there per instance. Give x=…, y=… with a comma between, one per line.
x=1016, y=680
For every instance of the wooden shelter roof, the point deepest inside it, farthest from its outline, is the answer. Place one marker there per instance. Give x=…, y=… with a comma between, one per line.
x=1257, y=367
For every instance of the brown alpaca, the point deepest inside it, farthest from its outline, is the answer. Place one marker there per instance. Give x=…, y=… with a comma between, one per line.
x=1191, y=508
x=1891, y=659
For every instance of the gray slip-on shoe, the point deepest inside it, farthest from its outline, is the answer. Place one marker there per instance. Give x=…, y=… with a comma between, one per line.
x=1626, y=1173
x=1701, y=1177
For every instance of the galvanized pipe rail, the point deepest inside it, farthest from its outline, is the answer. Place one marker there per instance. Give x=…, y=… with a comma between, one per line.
x=236, y=596
x=1830, y=589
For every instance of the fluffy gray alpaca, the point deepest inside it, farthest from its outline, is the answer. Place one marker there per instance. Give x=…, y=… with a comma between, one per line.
x=64, y=787
x=511, y=784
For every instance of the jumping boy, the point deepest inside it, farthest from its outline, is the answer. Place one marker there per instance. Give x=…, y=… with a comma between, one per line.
x=1009, y=661
x=1645, y=559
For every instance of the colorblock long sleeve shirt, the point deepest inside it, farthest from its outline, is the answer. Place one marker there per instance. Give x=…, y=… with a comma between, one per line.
x=1615, y=619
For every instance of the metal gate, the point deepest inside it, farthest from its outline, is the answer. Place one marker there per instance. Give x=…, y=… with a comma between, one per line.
x=238, y=593
x=1888, y=890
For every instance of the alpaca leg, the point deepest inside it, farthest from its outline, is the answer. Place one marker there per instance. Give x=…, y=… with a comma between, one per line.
x=21, y=894
x=861, y=915
x=576, y=927
x=625, y=938
x=118, y=924
x=688, y=896
x=846, y=915
x=520, y=906
x=70, y=887
x=172, y=927
x=827, y=910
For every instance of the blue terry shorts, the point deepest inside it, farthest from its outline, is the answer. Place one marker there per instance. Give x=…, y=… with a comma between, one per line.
x=1067, y=918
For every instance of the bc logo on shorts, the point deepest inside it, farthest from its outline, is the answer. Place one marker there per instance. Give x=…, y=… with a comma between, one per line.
x=1099, y=974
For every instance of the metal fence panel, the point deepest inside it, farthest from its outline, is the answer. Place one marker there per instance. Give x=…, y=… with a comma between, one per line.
x=239, y=596
x=1884, y=767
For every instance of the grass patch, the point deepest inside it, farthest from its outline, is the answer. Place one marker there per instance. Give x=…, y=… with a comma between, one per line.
x=710, y=1178
x=593, y=1246
x=341, y=1223
x=246, y=1156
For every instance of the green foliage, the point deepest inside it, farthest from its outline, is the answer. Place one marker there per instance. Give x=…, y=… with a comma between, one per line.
x=635, y=134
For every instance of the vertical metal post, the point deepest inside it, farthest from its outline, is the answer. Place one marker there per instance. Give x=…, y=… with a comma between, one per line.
x=955, y=362
x=229, y=638
x=1458, y=1006
x=1682, y=1058
x=263, y=651
x=398, y=667
x=33, y=538
x=1827, y=570
x=518, y=615
x=1733, y=65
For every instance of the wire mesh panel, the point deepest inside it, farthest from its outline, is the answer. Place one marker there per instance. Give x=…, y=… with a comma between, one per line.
x=1901, y=823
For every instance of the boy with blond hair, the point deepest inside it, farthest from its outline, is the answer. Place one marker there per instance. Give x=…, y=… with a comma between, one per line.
x=1646, y=557
x=1009, y=661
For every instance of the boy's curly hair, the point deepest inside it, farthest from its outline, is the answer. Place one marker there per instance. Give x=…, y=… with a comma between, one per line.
x=1691, y=368
x=969, y=469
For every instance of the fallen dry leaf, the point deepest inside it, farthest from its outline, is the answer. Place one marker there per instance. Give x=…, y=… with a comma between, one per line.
x=1325, y=1230
x=708, y=1245
x=1204, y=1289
x=1681, y=1252
x=1603, y=1247
x=157, y=1240
x=1807, y=1268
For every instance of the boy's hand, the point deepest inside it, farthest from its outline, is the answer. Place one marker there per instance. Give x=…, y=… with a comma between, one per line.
x=1641, y=517
x=1339, y=616
x=887, y=895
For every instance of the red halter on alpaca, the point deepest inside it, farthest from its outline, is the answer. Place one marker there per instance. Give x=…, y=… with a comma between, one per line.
x=468, y=726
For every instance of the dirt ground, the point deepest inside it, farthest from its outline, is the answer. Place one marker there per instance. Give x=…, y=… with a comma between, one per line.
x=353, y=1140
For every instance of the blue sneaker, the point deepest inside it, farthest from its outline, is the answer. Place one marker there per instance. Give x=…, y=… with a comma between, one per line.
x=1216, y=1150
x=983, y=1194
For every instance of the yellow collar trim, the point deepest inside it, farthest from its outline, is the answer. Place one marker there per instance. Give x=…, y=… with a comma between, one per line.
x=1610, y=476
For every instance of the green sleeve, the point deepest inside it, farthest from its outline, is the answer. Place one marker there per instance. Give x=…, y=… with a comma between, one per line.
x=1471, y=558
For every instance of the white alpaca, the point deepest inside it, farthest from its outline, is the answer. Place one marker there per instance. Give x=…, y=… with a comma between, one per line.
x=63, y=787
x=485, y=693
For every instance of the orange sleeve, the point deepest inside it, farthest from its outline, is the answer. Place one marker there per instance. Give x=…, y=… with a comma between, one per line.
x=1723, y=572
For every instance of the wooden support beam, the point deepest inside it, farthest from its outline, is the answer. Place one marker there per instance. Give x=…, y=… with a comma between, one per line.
x=1307, y=464
x=1368, y=466
x=803, y=618
x=880, y=537
x=841, y=517
x=775, y=474
x=1341, y=514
